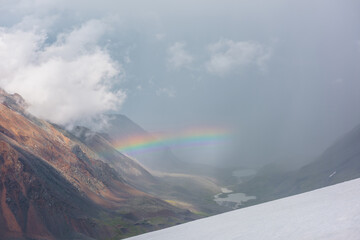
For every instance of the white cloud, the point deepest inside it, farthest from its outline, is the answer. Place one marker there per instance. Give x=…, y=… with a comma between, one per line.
x=65, y=81
x=177, y=56
x=227, y=55
x=166, y=91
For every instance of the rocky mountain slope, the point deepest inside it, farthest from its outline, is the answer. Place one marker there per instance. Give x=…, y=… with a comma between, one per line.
x=55, y=185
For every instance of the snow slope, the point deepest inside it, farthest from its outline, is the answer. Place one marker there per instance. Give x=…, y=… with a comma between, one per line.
x=328, y=213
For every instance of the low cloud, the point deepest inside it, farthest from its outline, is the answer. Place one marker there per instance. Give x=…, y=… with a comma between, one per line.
x=227, y=56
x=178, y=57
x=64, y=81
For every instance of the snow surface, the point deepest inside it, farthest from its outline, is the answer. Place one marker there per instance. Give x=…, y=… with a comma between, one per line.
x=328, y=213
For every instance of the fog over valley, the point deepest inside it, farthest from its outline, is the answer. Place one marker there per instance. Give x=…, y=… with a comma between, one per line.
x=282, y=78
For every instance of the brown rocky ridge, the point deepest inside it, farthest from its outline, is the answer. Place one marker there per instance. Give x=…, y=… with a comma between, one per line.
x=56, y=185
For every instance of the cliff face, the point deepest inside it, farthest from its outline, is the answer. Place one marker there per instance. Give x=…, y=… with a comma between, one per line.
x=54, y=185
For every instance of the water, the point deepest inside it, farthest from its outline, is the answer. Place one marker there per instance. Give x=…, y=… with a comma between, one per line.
x=234, y=200
x=231, y=200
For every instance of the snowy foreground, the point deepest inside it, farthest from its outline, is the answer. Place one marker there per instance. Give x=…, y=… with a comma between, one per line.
x=328, y=213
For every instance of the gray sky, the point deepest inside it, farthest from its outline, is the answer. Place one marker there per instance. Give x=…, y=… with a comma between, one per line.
x=282, y=76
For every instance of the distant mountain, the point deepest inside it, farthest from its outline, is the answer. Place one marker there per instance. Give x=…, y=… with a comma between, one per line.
x=60, y=185
x=121, y=128
x=328, y=213
x=339, y=163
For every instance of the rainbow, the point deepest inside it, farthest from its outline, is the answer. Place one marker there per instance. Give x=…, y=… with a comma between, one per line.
x=191, y=137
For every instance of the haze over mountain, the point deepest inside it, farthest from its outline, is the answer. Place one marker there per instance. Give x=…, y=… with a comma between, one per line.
x=282, y=78
x=120, y=129
x=160, y=159
x=340, y=162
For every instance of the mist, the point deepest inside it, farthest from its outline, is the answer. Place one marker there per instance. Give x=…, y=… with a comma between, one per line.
x=282, y=77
